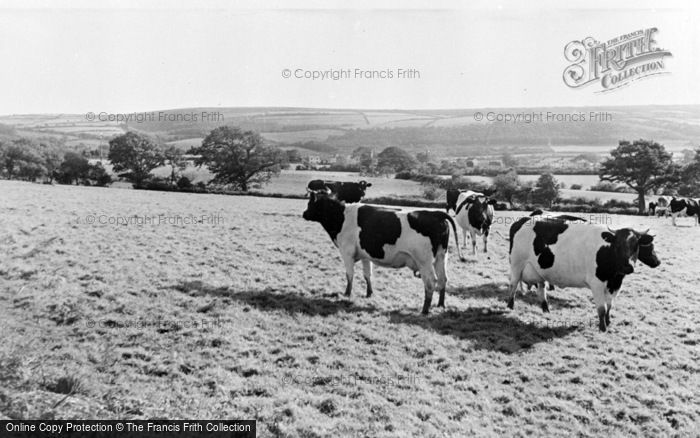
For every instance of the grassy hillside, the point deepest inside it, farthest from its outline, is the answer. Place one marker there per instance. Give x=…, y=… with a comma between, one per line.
x=244, y=317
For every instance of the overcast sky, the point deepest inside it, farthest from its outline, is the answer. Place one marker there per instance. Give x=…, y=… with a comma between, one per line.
x=129, y=56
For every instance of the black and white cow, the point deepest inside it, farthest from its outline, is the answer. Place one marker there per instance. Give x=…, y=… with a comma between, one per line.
x=452, y=196
x=576, y=255
x=537, y=215
x=651, y=211
x=684, y=207
x=387, y=237
x=474, y=214
x=345, y=191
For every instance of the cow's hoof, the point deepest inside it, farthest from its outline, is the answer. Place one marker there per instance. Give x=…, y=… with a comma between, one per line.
x=602, y=327
x=511, y=303
x=545, y=307
x=369, y=294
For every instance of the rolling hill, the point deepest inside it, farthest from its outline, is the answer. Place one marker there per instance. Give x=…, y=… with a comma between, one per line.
x=443, y=132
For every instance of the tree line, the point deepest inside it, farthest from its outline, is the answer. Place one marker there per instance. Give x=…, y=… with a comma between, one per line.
x=241, y=160
x=27, y=160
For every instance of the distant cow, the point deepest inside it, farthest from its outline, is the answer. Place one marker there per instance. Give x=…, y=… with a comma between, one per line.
x=576, y=255
x=452, y=195
x=387, y=237
x=651, y=211
x=345, y=191
x=684, y=207
x=474, y=213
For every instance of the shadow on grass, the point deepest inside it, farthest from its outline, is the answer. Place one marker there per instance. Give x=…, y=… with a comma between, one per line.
x=270, y=299
x=487, y=329
x=500, y=291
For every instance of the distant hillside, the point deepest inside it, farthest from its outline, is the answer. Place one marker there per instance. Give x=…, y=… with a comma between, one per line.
x=443, y=132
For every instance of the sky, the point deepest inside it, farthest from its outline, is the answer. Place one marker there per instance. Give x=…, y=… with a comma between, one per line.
x=126, y=56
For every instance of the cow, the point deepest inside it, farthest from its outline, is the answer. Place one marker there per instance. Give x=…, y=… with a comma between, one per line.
x=684, y=207
x=387, y=237
x=452, y=195
x=474, y=213
x=349, y=192
x=651, y=211
x=576, y=255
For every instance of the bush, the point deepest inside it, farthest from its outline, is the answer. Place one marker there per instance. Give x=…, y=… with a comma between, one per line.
x=184, y=183
x=98, y=175
x=576, y=187
x=431, y=192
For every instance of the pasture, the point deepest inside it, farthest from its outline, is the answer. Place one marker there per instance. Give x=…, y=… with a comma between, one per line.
x=242, y=316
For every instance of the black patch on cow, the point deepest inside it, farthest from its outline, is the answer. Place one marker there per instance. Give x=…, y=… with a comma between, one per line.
x=432, y=225
x=607, y=265
x=464, y=204
x=452, y=197
x=678, y=205
x=546, y=233
x=328, y=211
x=514, y=230
x=350, y=192
x=378, y=227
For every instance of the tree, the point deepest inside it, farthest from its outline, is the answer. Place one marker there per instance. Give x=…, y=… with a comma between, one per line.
x=174, y=158
x=423, y=157
x=136, y=156
x=509, y=160
x=74, y=168
x=365, y=156
x=238, y=158
x=21, y=159
x=643, y=165
x=546, y=190
x=689, y=176
x=507, y=185
x=98, y=175
x=294, y=156
x=396, y=158
x=52, y=161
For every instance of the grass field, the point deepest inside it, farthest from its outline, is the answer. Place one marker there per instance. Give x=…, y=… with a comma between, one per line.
x=242, y=316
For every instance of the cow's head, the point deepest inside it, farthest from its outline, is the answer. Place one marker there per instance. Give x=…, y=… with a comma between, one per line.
x=629, y=246
x=319, y=203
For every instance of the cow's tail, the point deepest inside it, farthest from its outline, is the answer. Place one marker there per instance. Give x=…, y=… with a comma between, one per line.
x=454, y=231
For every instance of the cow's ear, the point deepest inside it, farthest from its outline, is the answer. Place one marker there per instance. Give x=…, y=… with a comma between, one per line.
x=608, y=237
x=492, y=202
x=369, y=184
x=646, y=239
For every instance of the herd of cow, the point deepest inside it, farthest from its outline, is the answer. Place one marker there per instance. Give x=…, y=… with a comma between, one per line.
x=685, y=207
x=545, y=249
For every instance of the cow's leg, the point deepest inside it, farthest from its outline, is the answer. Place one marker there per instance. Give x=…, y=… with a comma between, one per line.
x=673, y=219
x=440, y=261
x=429, y=279
x=599, y=293
x=472, y=234
x=367, y=270
x=516, y=273
x=542, y=294
x=486, y=238
x=349, y=273
x=464, y=236
x=609, y=297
